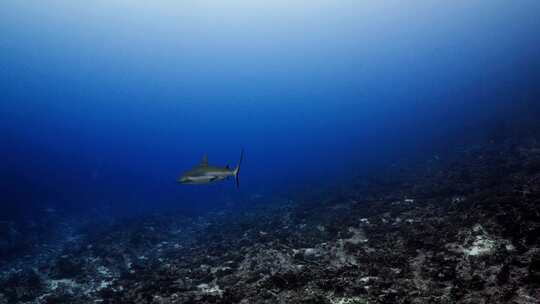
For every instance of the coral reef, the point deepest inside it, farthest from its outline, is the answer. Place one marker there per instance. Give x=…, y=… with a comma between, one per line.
x=457, y=230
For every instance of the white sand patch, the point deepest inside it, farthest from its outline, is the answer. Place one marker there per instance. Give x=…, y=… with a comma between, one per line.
x=54, y=284
x=368, y=279
x=510, y=247
x=358, y=236
x=104, y=284
x=350, y=300
x=104, y=271
x=480, y=246
x=478, y=243
x=210, y=289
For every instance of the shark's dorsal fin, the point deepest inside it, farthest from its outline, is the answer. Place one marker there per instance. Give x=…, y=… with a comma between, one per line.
x=204, y=162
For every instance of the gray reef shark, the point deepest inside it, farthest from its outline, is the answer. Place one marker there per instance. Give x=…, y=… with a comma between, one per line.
x=203, y=173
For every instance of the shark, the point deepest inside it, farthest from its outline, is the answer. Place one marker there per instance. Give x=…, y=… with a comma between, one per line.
x=204, y=173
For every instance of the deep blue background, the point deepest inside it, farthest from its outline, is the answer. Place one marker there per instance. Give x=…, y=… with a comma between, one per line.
x=105, y=104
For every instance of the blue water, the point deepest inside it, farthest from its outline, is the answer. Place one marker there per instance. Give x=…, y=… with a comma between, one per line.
x=104, y=104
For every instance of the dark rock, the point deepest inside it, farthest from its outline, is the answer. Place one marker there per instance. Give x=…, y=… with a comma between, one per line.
x=22, y=286
x=66, y=267
x=503, y=275
x=534, y=270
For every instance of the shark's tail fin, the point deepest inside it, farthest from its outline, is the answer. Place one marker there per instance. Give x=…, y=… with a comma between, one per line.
x=236, y=171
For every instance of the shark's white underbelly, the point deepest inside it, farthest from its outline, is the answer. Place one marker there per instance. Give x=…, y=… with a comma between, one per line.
x=204, y=179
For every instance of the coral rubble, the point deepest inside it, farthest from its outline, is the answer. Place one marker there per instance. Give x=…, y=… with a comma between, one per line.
x=464, y=230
